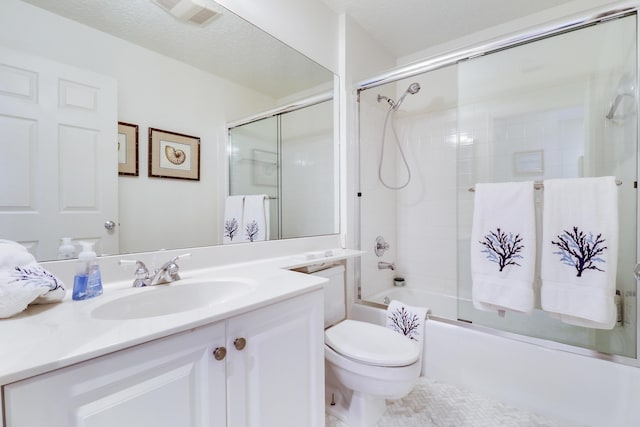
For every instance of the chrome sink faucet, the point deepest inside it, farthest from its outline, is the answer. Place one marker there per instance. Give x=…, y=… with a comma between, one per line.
x=167, y=273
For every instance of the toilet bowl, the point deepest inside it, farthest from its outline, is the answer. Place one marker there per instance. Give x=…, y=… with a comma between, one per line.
x=365, y=364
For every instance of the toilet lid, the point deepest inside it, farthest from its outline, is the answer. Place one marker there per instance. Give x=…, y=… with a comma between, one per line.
x=372, y=344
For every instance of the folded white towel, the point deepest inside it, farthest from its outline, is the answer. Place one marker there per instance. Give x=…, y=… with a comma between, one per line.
x=503, y=247
x=256, y=218
x=23, y=281
x=232, y=228
x=407, y=320
x=580, y=250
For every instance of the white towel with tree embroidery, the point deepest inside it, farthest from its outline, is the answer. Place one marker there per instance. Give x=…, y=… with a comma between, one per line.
x=256, y=218
x=407, y=320
x=503, y=247
x=580, y=250
x=232, y=229
x=23, y=281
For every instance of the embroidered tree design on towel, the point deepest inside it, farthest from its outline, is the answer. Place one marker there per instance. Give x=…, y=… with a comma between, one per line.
x=502, y=248
x=230, y=228
x=35, y=276
x=252, y=229
x=405, y=322
x=580, y=250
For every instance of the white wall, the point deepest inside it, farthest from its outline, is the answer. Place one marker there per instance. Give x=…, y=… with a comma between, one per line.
x=153, y=91
x=308, y=26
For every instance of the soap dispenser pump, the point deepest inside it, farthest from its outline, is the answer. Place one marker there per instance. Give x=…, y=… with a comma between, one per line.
x=87, y=282
x=66, y=249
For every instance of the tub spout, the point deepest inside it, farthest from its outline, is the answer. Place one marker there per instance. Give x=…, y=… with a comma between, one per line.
x=386, y=265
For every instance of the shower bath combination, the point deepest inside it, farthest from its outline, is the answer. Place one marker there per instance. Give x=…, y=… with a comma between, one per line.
x=393, y=106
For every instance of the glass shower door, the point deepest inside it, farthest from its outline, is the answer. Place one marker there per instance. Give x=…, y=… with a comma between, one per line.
x=560, y=107
x=253, y=164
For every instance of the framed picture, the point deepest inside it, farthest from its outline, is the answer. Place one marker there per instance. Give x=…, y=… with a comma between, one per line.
x=265, y=168
x=127, y=149
x=528, y=162
x=173, y=155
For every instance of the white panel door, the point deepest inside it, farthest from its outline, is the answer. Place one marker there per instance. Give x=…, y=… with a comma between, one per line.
x=59, y=164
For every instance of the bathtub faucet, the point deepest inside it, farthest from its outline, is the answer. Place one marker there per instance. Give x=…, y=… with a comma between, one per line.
x=386, y=265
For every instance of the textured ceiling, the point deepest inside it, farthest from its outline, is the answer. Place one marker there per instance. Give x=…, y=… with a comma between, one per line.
x=403, y=27
x=228, y=46
x=236, y=50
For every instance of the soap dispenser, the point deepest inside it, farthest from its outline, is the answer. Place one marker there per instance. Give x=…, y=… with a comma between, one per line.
x=87, y=282
x=66, y=249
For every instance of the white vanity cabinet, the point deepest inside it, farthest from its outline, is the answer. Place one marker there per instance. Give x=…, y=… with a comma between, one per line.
x=174, y=381
x=271, y=375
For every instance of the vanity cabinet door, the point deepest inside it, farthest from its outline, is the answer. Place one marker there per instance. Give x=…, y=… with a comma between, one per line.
x=174, y=381
x=275, y=365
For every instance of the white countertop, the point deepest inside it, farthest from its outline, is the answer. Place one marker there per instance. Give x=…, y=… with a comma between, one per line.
x=52, y=336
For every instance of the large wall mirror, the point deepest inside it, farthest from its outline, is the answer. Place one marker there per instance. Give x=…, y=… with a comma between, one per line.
x=70, y=70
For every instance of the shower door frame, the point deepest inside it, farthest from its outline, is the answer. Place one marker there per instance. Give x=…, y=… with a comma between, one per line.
x=575, y=22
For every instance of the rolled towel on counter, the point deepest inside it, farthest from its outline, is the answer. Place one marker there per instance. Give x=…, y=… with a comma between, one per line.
x=23, y=281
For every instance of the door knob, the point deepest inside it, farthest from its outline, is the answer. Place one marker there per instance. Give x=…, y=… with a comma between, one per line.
x=109, y=225
x=219, y=353
x=240, y=343
x=636, y=271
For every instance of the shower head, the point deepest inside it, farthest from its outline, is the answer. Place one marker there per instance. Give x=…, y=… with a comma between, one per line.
x=626, y=87
x=412, y=89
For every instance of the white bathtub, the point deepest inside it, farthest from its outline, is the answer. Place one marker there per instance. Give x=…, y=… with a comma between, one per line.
x=569, y=387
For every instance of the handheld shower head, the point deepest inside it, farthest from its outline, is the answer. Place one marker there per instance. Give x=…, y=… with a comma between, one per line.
x=412, y=89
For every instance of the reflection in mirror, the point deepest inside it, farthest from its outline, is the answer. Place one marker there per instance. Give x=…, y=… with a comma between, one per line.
x=288, y=158
x=129, y=61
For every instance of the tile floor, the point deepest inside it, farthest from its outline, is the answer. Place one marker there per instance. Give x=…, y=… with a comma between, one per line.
x=436, y=404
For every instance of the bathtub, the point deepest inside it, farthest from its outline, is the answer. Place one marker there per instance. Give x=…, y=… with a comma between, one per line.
x=572, y=388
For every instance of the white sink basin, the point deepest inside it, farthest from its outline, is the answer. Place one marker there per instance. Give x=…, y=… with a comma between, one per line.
x=162, y=300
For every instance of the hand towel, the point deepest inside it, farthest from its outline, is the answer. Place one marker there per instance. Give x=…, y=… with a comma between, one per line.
x=256, y=218
x=580, y=250
x=503, y=247
x=233, y=210
x=23, y=281
x=407, y=320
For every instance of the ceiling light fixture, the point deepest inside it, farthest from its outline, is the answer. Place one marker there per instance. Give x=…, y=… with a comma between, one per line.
x=199, y=12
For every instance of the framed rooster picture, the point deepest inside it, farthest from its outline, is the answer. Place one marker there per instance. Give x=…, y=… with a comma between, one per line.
x=173, y=155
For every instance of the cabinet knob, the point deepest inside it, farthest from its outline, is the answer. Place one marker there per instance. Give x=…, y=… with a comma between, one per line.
x=219, y=353
x=240, y=343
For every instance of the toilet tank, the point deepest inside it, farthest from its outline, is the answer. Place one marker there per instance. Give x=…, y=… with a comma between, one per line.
x=335, y=307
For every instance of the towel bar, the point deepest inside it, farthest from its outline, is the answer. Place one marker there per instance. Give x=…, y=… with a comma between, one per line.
x=539, y=186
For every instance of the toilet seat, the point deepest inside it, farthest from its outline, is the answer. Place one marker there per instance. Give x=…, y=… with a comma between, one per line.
x=372, y=344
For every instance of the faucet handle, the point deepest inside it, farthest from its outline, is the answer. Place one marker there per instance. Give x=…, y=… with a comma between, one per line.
x=176, y=258
x=171, y=268
x=141, y=273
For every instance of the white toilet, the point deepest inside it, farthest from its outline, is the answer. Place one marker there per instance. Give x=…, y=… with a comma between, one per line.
x=364, y=363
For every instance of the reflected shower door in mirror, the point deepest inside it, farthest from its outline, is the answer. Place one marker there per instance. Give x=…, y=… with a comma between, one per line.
x=290, y=158
x=166, y=74
x=561, y=107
